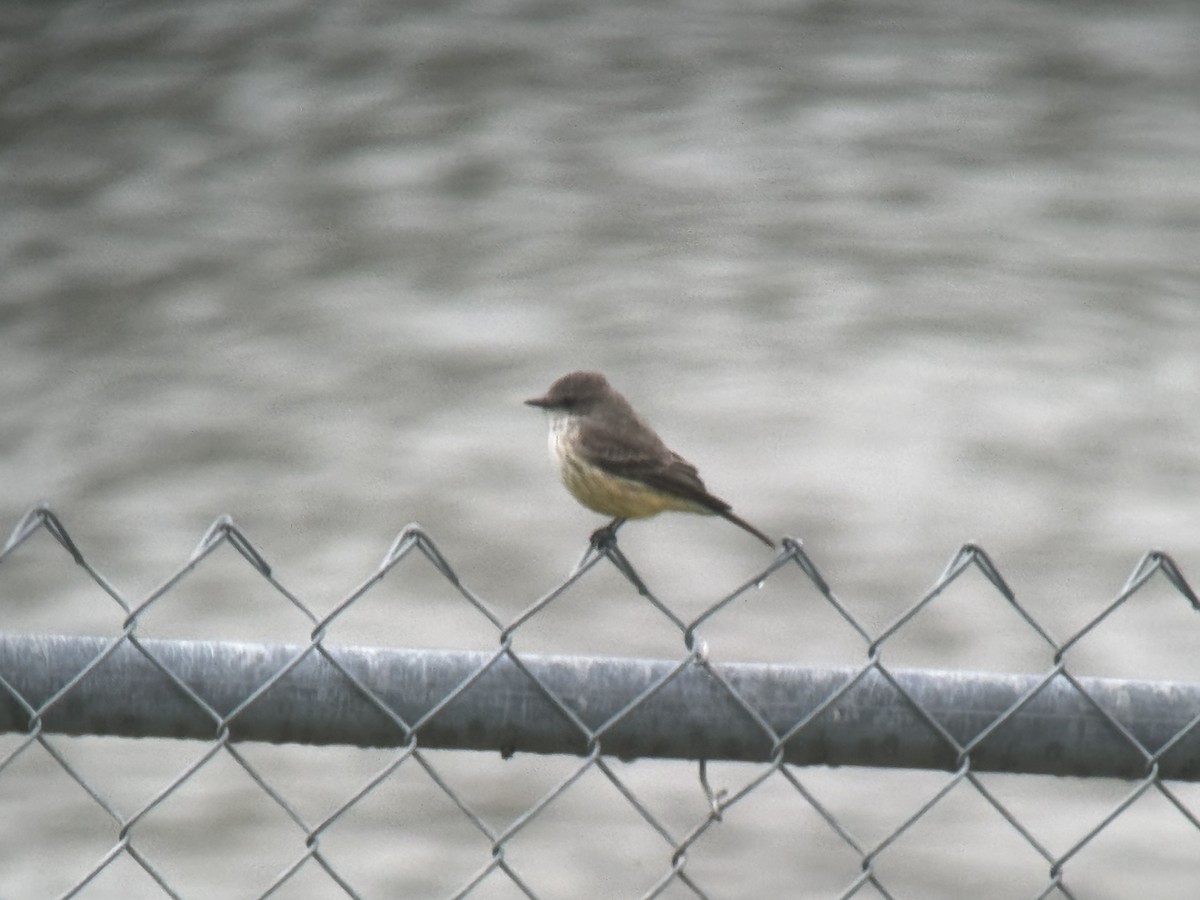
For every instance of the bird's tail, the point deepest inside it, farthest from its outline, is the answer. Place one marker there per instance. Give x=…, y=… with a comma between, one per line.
x=742, y=523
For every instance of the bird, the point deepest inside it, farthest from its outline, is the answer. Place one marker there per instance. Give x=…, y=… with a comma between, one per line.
x=615, y=464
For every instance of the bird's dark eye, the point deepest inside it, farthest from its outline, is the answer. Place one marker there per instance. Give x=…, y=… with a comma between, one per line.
x=569, y=402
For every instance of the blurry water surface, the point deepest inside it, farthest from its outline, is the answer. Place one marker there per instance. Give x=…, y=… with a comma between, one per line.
x=895, y=276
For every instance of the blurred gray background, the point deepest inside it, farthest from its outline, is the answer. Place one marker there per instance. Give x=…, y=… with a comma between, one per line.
x=894, y=276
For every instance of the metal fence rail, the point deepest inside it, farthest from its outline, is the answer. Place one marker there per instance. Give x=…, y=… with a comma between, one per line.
x=537, y=704
x=775, y=719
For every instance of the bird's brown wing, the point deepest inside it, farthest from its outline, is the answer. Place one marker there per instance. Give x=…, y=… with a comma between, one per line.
x=678, y=476
x=637, y=453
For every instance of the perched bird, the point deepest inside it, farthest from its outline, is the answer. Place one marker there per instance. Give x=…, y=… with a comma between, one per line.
x=614, y=463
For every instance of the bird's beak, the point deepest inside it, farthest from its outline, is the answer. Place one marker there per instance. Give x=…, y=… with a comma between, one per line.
x=539, y=402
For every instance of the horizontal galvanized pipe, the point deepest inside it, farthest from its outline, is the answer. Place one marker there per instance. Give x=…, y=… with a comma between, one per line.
x=693, y=716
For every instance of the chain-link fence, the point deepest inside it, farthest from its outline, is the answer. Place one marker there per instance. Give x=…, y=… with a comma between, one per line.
x=133, y=765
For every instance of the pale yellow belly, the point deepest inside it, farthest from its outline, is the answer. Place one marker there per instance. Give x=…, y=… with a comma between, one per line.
x=608, y=494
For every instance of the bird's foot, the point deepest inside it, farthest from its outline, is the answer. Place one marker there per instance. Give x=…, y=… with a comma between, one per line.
x=606, y=538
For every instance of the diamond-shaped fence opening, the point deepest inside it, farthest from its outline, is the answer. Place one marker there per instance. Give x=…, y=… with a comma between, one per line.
x=37, y=567
x=411, y=820
x=784, y=619
x=1153, y=839
x=224, y=597
x=247, y=831
x=1158, y=606
x=223, y=734
x=415, y=598
x=771, y=837
x=564, y=625
x=969, y=599
x=962, y=838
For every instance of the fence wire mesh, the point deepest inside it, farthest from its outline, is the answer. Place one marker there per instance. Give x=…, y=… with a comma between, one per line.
x=311, y=771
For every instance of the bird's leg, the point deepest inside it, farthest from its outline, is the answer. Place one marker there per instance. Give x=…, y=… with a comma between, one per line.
x=604, y=543
x=601, y=541
x=606, y=536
